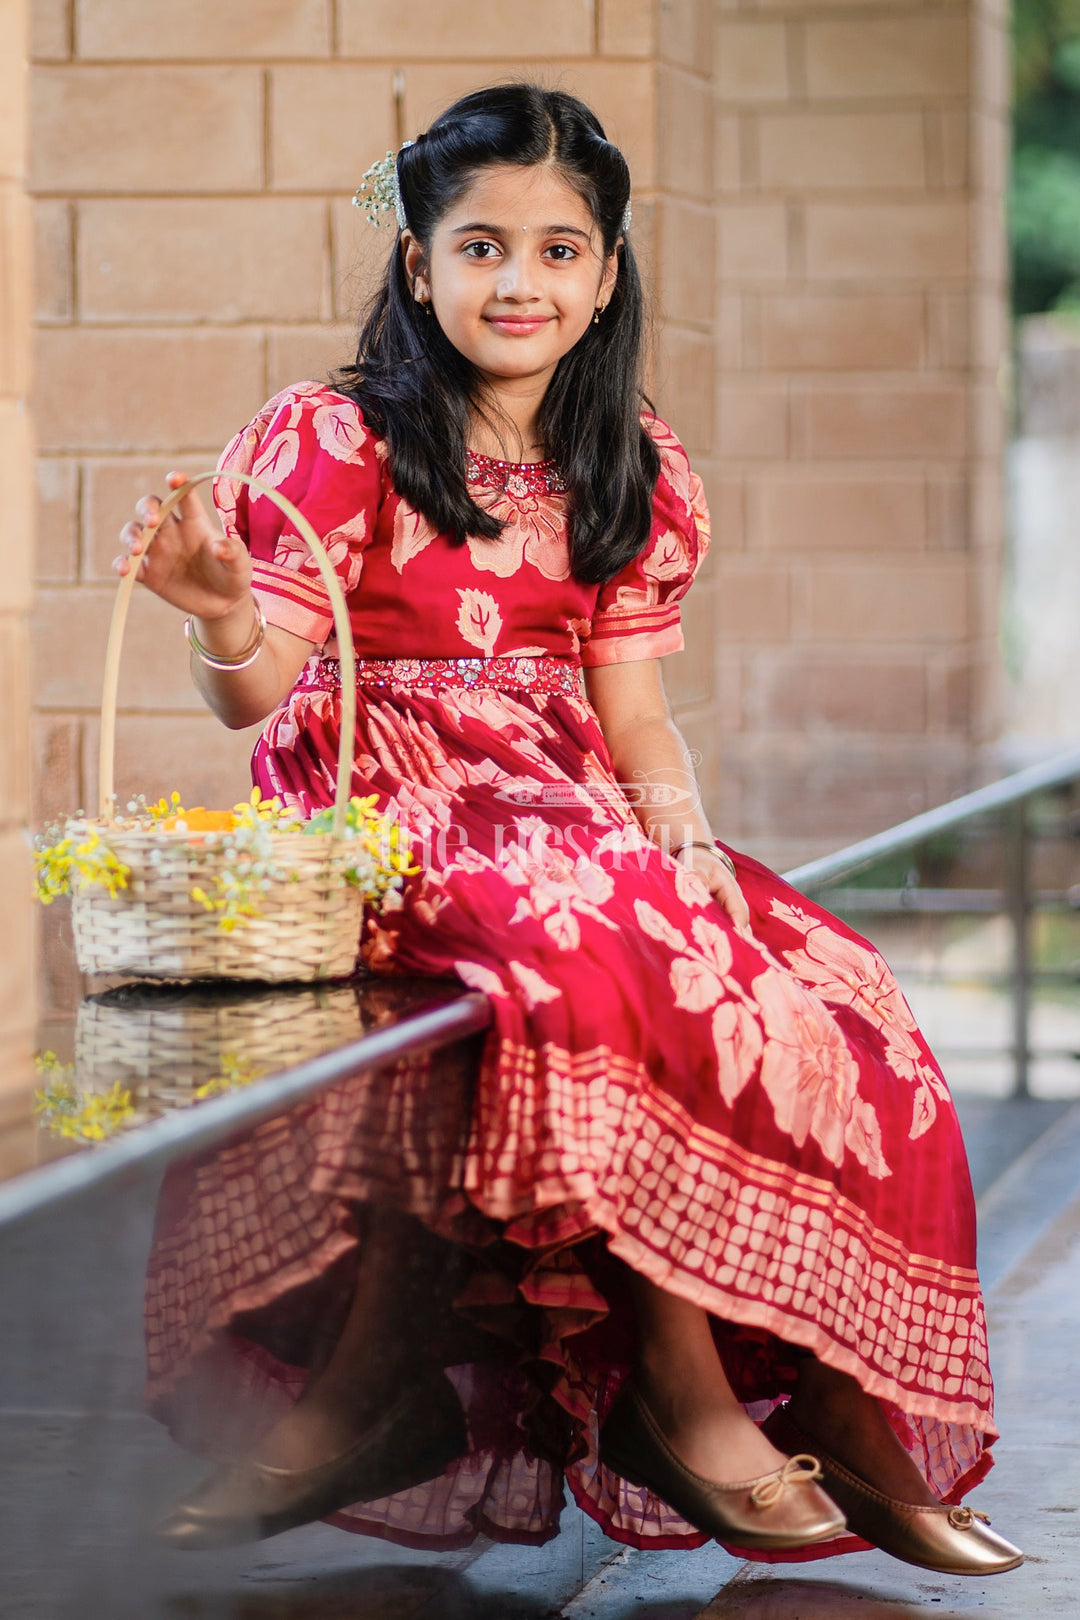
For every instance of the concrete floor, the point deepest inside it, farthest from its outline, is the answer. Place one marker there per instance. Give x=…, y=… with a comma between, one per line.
x=85, y=1470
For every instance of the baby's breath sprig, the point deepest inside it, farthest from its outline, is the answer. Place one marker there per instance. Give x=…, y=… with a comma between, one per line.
x=379, y=193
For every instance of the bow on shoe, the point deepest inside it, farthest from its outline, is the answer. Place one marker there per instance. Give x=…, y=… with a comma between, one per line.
x=801, y=1469
x=962, y=1518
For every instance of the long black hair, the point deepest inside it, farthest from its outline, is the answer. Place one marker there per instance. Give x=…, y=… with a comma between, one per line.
x=419, y=392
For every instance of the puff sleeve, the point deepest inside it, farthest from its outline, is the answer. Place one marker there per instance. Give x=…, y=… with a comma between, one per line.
x=637, y=612
x=311, y=444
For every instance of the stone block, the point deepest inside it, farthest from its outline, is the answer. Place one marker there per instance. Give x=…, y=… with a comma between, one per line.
x=54, y=297
x=989, y=152
x=727, y=159
x=838, y=151
x=685, y=35
x=753, y=241
x=17, y=483
x=868, y=57
x=947, y=508
x=753, y=421
x=17, y=989
x=16, y=291
x=751, y=61
x=244, y=259
x=835, y=332
x=56, y=768
x=794, y=510
x=57, y=526
x=686, y=368
x=726, y=495
x=193, y=754
x=684, y=123
x=299, y=353
x=627, y=27
x=359, y=255
x=920, y=421
x=622, y=95
x=688, y=676
x=753, y=602
x=14, y=81
x=147, y=29
x=97, y=128
x=327, y=124
x=687, y=236
x=70, y=629
x=801, y=691
x=953, y=170
x=50, y=30
x=898, y=241
x=154, y=390
x=949, y=331
x=451, y=29
x=15, y=697
x=876, y=601
x=110, y=491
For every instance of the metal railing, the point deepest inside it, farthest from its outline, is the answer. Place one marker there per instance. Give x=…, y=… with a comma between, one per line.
x=1009, y=798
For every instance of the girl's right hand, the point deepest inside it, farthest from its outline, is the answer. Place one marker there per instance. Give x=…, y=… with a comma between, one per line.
x=190, y=563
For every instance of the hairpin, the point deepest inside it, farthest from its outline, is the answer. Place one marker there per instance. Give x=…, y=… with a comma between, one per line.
x=628, y=214
x=379, y=192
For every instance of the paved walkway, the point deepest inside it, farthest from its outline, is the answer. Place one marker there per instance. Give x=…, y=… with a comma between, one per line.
x=83, y=1473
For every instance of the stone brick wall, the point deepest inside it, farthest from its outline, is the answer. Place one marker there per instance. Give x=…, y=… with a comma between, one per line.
x=16, y=480
x=860, y=317
x=817, y=198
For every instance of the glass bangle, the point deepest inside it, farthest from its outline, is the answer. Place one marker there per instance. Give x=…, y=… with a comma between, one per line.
x=243, y=659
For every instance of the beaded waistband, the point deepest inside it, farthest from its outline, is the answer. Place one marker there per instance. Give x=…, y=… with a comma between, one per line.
x=534, y=674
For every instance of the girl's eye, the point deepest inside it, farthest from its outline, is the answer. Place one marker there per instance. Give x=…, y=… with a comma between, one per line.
x=480, y=250
x=562, y=252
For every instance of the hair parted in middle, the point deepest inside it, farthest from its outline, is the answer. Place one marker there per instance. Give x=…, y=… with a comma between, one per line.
x=418, y=392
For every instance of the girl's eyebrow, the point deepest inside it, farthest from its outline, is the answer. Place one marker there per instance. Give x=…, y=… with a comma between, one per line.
x=501, y=230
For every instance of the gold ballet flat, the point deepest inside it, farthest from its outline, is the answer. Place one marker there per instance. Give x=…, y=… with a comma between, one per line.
x=949, y=1540
x=778, y=1511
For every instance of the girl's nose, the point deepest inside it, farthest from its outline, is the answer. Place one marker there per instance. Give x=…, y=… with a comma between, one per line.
x=518, y=279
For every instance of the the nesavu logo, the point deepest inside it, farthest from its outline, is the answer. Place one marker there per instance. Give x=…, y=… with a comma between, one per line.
x=648, y=795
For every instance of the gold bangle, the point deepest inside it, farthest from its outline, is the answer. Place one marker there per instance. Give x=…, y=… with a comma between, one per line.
x=243, y=659
x=697, y=843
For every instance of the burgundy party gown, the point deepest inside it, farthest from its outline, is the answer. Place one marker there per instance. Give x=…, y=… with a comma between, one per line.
x=758, y=1126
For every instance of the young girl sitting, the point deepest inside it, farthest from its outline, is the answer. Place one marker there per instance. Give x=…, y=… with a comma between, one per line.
x=701, y=1095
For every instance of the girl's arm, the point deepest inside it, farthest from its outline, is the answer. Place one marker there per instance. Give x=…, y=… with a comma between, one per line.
x=208, y=575
x=647, y=748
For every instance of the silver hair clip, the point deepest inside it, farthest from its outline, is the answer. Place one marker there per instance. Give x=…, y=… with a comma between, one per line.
x=628, y=214
x=379, y=192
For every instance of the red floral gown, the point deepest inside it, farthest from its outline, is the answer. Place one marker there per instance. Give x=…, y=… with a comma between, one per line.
x=757, y=1126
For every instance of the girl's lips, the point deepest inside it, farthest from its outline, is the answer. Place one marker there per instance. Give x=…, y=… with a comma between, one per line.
x=516, y=326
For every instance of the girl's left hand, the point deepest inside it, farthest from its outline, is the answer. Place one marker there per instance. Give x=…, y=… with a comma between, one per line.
x=721, y=884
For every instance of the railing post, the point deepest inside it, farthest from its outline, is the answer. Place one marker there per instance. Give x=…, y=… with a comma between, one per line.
x=1018, y=901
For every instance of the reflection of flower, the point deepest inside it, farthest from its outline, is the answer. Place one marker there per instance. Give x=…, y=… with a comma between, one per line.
x=76, y=1115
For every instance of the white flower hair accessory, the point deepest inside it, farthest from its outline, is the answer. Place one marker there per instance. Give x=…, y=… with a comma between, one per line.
x=628, y=214
x=379, y=193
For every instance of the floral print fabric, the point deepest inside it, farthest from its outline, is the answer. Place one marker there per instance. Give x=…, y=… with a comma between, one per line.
x=756, y=1125
x=413, y=593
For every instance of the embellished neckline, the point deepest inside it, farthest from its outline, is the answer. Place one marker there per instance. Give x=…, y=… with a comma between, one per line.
x=520, y=478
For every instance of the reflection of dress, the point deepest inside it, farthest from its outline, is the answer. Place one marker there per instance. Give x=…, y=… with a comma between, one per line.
x=757, y=1127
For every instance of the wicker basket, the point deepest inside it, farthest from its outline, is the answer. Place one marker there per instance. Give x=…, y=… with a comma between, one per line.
x=309, y=922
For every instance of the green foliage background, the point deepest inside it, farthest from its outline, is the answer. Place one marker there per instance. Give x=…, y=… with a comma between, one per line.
x=1044, y=201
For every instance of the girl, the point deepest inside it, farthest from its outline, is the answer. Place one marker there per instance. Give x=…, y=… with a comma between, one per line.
x=716, y=1164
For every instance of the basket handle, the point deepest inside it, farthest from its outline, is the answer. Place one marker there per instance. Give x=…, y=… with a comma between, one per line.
x=342, y=628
